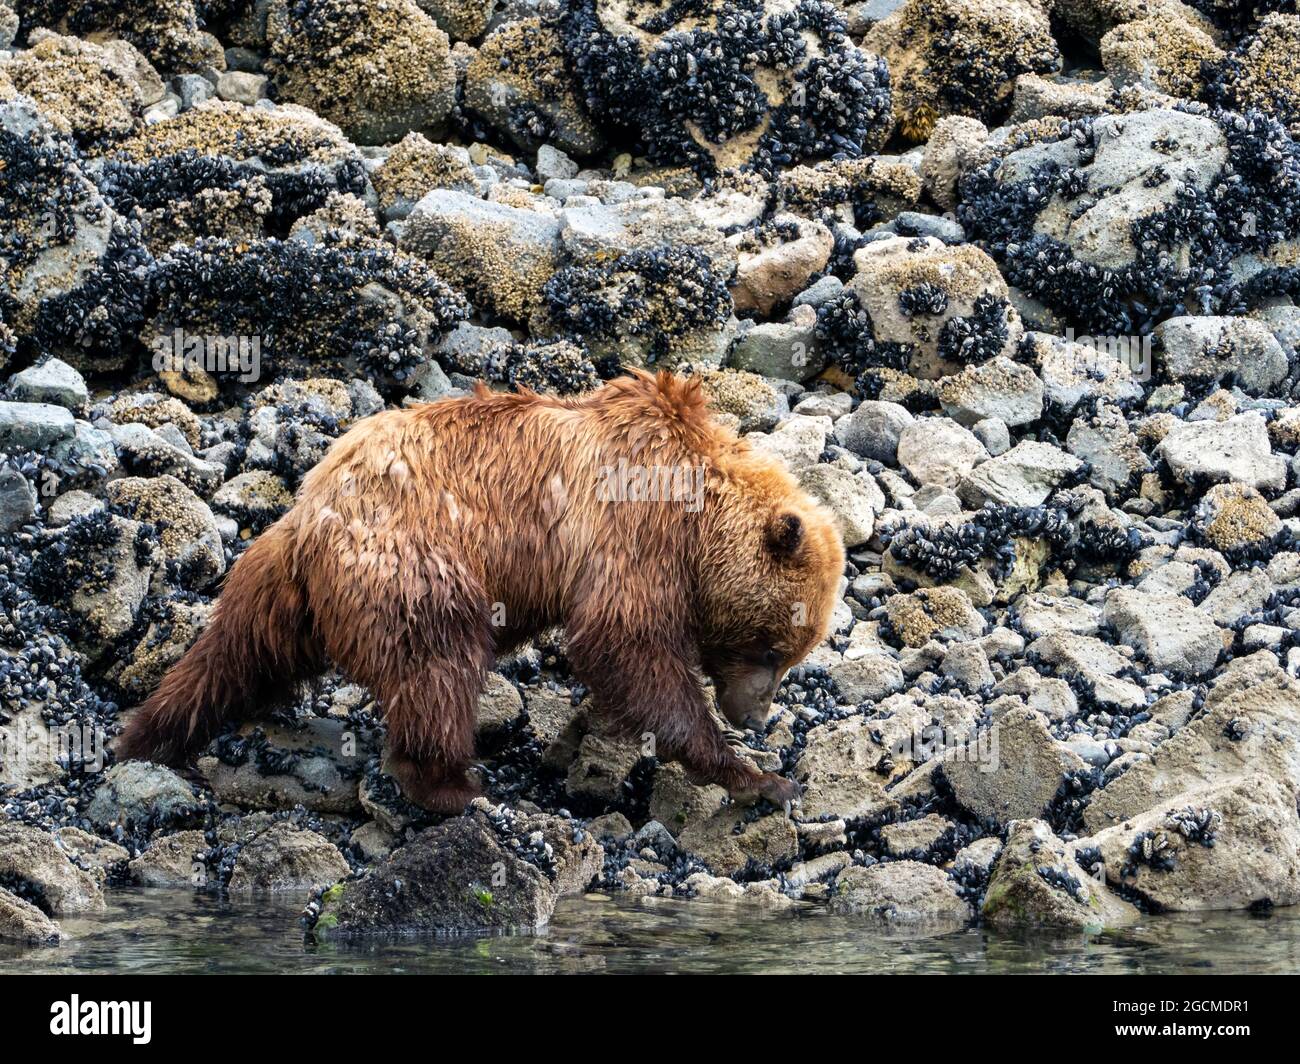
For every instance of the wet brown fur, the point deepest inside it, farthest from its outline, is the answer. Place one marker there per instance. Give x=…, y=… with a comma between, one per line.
x=421, y=526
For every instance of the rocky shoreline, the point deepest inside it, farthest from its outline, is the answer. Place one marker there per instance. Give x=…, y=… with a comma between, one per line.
x=1009, y=287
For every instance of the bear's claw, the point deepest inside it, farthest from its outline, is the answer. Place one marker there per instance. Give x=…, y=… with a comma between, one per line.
x=779, y=791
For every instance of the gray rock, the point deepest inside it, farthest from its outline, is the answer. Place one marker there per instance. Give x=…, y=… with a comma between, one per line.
x=853, y=500
x=914, y=838
x=140, y=447
x=783, y=350
x=1172, y=633
x=241, y=87
x=1024, y=476
x=193, y=89
x=189, y=535
x=819, y=292
x=1104, y=667
x=1113, y=452
x=994, y=434
x=1199, y=349
x=286, y=857
x=914, y=223
x=140, y=794
x=728, y=842
x=322, y=762
x=17, y=500
x=887, y=268
x=1235, y=449
x=1249, y=730
x=1013, y=776
x=33, y=865
x=462, y=876
x=868, y=678
x=553, y=163
x=33, y=426
x=53, y=382
x=874, y=429
x=900, y=892
x=937, y=450
x=798, y=441
x=109, y=606
x=837, y=771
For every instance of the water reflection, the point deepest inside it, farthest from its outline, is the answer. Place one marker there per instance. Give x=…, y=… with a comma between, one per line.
x=178, y=932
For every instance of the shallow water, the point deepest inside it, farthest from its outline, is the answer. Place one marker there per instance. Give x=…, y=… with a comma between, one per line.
x=166, y=932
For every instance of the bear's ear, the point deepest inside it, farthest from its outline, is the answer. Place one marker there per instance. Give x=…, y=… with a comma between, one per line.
x=784, y=534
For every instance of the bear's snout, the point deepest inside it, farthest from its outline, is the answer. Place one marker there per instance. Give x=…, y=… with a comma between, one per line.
x=745, y=694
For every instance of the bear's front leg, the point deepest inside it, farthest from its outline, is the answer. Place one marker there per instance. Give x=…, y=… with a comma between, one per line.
x=648, y=688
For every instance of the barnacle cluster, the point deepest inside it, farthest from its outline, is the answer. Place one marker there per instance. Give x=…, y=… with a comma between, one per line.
x=1183, y=251
x=314, y=306
x=729, y=83
x=662, y=294
x=561, y=367
x=943, y=551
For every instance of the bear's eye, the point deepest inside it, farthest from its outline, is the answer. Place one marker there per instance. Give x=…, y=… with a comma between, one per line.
x=771, y=659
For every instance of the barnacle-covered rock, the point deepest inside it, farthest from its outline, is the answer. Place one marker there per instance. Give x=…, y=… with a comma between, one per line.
x=377, y=68
x=334, y=306
x=98, y=568
x=1246, y=852
x=415, y=166
x=960, y=57
x=862, y=192
x=461, y=20
x=900, y=892
x=223, y=170
x=93, y=91
x=560, y=366
x=1039, y=881
x=730, y=83
x=1166, y=55
x=1262, y=71
x=934, y=613
x=287, y=857
x=520, y=82
x=1234, y=518
x=920, y=305
x=493, y=868
x=188, y=534
x=71, y=272
x=1120, y=221
x=1093, y=19
x=501, y=255
x=34, y=866
x=168, y=32
x=8, y=23
x=663, y=305
x=20, y=920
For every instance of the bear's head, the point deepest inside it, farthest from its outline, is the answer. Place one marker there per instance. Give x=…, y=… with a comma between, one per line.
x=768, y=582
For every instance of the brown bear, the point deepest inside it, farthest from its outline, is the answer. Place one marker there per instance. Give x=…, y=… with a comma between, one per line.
x=430, y=539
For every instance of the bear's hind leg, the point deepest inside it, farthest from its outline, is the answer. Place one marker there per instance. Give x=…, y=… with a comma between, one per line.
x=416, y=631
x=429, y=710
